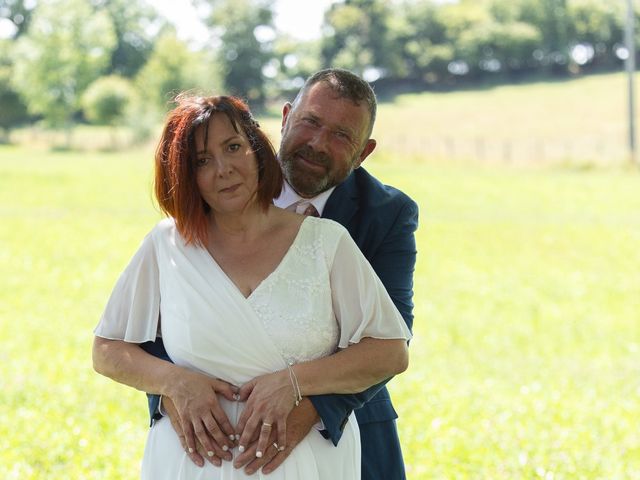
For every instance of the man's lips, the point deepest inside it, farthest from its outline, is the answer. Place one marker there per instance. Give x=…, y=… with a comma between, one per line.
x=311, y=163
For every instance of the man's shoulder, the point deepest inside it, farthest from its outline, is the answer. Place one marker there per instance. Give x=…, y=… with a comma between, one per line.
x=372, y=191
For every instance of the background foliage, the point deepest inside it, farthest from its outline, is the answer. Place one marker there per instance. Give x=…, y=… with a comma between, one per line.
x=59, y=47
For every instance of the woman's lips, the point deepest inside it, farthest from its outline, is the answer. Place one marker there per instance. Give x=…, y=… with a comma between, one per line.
x=230, y=189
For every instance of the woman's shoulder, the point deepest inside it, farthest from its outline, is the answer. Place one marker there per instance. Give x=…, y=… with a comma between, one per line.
x=326, y=226
x=324, y=232
x=166, y=226
x=165, y=232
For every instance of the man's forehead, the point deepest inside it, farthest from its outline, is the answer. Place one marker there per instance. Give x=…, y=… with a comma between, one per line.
x=322, y=100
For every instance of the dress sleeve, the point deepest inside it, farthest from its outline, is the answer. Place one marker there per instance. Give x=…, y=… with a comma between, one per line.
x=360, y=301
x=133, y=310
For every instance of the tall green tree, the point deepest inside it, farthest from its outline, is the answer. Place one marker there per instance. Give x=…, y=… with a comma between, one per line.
x=245, y=30
x=13, y=111
x=173, y=68
x=423, y=37
x=551, y=17
x=67, y=46
x=499, y=47
x=136, y=26
x=358, y=37
x=294, y=62
x=600, y=25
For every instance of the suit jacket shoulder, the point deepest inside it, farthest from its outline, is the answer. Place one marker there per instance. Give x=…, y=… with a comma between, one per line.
x=369, y=209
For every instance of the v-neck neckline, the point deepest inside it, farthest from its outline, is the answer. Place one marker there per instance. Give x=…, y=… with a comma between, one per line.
x=271, y=274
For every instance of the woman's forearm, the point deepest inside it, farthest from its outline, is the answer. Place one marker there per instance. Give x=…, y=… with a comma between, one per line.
x=353, y=369
x=129, y=364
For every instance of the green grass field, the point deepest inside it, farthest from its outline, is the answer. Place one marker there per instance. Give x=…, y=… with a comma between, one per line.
x=526, y=356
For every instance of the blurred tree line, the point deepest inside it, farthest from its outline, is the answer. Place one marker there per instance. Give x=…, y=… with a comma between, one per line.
x=116, y=62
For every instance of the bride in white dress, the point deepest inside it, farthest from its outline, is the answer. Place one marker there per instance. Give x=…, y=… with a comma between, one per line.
x=269, y=305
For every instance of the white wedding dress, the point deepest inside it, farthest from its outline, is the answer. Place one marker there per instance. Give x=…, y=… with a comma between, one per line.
x=323, y=296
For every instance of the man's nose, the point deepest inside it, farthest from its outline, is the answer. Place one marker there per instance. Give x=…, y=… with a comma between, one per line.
x=319, y=140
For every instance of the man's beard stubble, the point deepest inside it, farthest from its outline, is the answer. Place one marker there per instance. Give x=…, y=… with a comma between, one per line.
x=308, y=184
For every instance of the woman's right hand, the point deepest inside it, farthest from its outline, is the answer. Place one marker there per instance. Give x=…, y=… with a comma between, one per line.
x=192, y=398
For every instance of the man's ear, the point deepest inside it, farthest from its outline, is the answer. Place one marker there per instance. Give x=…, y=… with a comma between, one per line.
x=366, y=151
x=285, y=113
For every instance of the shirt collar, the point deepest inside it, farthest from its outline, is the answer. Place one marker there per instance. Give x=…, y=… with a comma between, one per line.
x=288, y=196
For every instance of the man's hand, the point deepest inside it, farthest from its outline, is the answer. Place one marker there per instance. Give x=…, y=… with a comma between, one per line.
x=269, y=400
x=197, y=416
x=299, y=423
x=199, y=452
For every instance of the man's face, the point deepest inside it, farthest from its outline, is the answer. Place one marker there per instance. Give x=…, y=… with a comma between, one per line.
x=323, y=140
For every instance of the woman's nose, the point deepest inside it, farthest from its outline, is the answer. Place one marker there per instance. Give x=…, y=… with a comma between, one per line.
x=223, y=165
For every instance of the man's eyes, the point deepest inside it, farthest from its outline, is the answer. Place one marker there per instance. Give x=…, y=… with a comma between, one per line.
x=340, y=134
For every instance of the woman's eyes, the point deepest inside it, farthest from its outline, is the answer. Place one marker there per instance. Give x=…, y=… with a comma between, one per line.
x=204, y=160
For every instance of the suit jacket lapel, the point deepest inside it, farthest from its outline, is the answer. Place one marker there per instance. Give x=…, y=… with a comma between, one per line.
x=342, y=203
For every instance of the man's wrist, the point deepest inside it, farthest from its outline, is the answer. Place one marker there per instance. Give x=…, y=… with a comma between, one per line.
x=311, y=414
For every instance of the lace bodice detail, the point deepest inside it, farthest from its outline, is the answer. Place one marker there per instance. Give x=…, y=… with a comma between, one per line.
x=294, y=302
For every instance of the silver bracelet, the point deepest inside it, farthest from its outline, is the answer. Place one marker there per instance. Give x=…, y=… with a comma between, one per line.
x=294, y=381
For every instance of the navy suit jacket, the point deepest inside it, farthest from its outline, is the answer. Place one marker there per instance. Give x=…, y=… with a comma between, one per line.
x=382, y=221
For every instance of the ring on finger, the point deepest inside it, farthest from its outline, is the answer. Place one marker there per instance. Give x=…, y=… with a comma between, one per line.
x=265, y=424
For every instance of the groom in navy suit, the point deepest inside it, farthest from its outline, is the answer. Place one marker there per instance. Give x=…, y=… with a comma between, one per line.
x=325, y=137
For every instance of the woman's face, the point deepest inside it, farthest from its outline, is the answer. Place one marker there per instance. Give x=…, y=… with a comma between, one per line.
x=226, y=167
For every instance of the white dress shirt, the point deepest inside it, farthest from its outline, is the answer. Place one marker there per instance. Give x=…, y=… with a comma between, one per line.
x=289, y=197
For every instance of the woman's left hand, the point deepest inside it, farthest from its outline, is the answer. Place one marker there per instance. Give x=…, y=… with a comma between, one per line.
x=269, y=399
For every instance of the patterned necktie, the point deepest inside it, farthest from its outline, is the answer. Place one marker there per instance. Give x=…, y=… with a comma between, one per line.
x=311, y=211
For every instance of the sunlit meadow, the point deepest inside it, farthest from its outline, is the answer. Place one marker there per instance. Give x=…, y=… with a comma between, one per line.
x=526, y=356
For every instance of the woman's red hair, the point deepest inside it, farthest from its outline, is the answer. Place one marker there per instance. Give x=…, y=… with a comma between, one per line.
x=175, y=173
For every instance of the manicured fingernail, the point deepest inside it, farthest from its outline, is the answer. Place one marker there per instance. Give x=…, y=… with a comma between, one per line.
x=241, y=448
x=225, y=448
x=210, y=453
x=281, y=448
x=259, y=454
